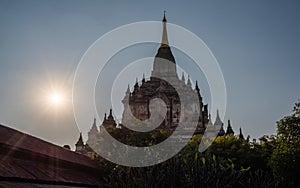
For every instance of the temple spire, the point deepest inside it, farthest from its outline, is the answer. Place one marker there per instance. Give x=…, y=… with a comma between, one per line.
x=110, y=112
x=182, y=77
x=189, y=81
x=164, y=39
x=143, y=80
x=209, y=124
x=79, y=144
x=80, y=140
x=164, y=19
x=196, y=87
x=94, y=126
x=241, y=136
x=164, y=64
x=218, y=121
x=136, y=85
x=229, y=130
x=128, y=89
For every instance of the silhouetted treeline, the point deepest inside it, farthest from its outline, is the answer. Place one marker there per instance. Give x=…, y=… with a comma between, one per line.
x=272, y=161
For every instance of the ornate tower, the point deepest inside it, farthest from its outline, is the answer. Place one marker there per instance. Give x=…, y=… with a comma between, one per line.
x=92, y=134
x=219, y=124
x=126, y=111
x=162, y=83
x=109, y=121
x=164, y=63
x=79, y=145
x=241, y=136
x=229, y=130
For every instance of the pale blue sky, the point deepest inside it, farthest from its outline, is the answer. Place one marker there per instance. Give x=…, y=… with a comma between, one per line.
x=256, y=43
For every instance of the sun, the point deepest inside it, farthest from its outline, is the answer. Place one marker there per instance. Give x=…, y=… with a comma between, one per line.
x=53, y=97
x=56, y=99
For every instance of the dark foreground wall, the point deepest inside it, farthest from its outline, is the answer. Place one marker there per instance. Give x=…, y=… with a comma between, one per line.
x=26, y=161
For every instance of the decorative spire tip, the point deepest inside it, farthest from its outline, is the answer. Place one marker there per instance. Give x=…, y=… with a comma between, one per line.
x=164, y=19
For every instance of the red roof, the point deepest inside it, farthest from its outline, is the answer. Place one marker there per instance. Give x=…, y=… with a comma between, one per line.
x=30, y=159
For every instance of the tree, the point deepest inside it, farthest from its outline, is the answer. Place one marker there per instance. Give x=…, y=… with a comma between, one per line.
x=285, y=157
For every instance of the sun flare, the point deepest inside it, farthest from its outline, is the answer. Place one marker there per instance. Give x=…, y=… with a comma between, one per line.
x=56, y=99
x=53, y=97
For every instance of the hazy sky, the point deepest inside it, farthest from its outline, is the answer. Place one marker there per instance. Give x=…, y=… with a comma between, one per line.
x=256, y=43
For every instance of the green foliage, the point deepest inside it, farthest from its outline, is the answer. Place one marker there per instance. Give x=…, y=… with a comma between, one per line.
x=229, y=162
x=285, y=157
x=140, y=139
x=261, y=178
x=203, y=171
x=262, y=151
x=243, y=153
